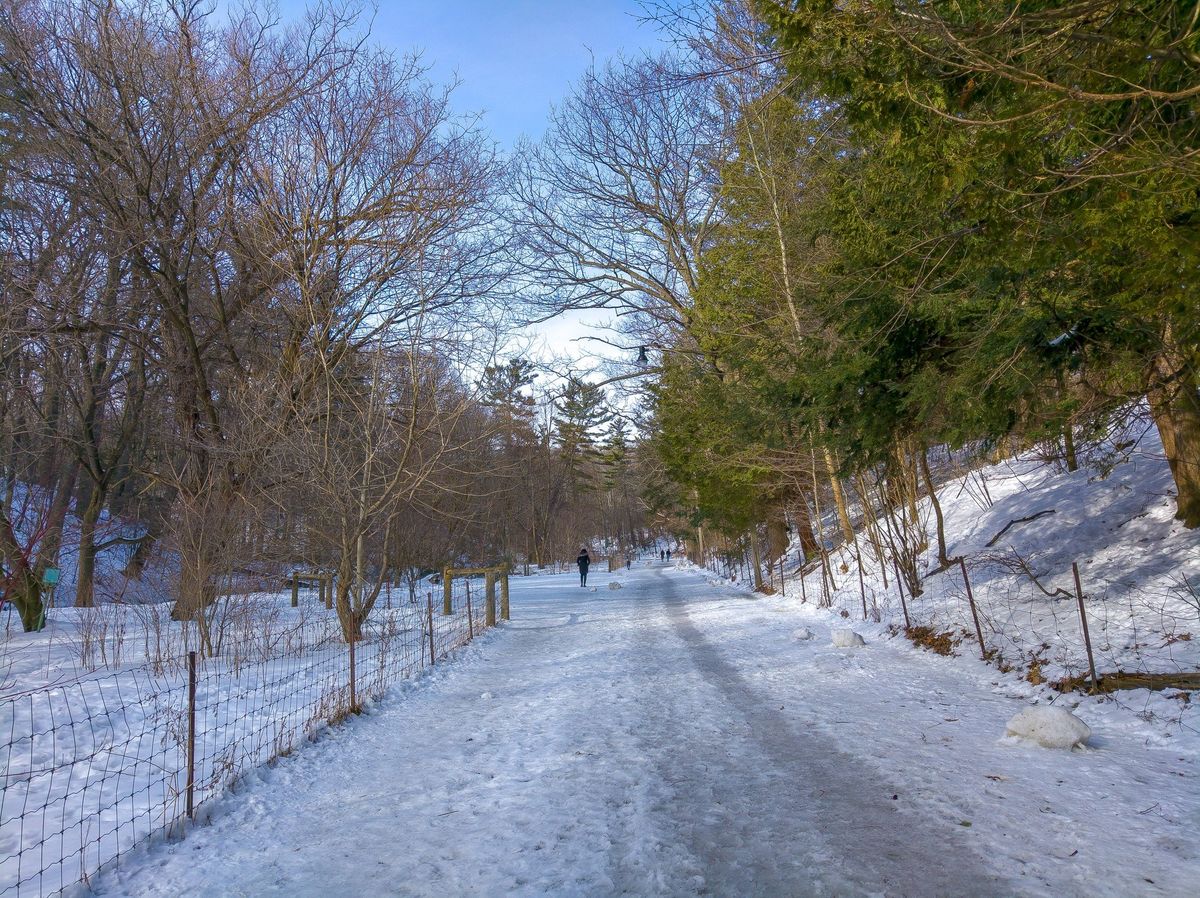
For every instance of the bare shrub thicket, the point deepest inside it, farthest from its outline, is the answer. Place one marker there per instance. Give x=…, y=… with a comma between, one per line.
x=240, y=264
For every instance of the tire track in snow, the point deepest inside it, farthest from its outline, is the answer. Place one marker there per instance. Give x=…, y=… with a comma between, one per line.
x=808, y=819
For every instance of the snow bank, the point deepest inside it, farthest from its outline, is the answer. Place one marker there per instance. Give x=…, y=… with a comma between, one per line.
x=803, y=634
x=1048, y=727
x=846, y=639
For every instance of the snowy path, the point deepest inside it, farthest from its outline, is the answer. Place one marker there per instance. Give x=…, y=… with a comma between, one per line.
x=671, y=738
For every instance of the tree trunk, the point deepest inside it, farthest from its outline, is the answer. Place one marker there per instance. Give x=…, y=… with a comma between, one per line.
x=777, y=537
x=873, y=534
x=1175, y=405
x=804, y=528
x=24, y=587
x=943, y=559
x=839, y=496
x=141, y=554
x=758, y=580
x=86, y=568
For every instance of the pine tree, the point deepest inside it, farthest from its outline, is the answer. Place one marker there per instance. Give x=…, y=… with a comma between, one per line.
x=580, y=415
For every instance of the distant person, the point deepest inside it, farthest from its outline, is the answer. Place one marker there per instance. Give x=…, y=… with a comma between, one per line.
x=662, y=556
x=583, y=561
x=668, y=554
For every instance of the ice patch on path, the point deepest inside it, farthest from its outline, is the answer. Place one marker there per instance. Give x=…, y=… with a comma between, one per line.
x=803, y=634
x=1048, y=727
x=846, y=639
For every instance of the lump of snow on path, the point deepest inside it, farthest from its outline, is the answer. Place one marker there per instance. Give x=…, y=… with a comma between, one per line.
x=803, y=634
x=846, y=639
x=615, y=585
x=1048, y=727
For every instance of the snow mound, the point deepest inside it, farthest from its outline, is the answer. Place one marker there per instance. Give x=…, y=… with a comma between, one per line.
x=846, y=639
x=615, y=585
x=1048, y=727
x=803, y=634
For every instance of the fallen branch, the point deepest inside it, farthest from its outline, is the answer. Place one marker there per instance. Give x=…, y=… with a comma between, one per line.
x=1033, y=517
x=1111, y=682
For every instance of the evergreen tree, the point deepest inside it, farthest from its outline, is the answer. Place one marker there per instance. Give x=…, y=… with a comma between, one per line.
x=580, y=415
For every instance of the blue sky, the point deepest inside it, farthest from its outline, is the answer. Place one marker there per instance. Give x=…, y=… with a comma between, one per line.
x=514, y=57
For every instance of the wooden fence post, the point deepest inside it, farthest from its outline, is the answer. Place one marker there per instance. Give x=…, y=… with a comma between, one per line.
x=504, y=593
x=295, y=589
x=490, y=588
x=1087, y=639
x=329, y=592
x=447, y=599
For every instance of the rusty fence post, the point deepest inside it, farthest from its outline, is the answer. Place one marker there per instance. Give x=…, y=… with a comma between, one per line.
x=470, y=621
x=353, y=697
x=432, y=654
x=974, y=613
x=900, y=589
x=862, y=589
x=191, y=737
x=1087, y=638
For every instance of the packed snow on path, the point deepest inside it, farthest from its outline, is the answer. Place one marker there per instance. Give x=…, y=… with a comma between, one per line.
x=675, y=738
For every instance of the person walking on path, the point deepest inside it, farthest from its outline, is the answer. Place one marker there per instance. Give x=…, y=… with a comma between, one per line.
x=583, y=561
x=668, y=554
x=662, y=555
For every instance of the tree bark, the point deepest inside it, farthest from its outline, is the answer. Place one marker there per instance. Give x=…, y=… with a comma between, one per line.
x=86, y=567
x=923, y=459
x=1175, y=405
x=839, y=496
x=758, y=580
x=804, y=527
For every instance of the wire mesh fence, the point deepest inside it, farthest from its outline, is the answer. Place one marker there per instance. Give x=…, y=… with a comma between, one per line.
x=1030, y=621
x=94, y=767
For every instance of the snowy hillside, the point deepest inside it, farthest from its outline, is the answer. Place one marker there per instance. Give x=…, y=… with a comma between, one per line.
x=1018, y=526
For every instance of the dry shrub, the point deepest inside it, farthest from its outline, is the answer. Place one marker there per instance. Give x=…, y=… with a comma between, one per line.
x=942, y=642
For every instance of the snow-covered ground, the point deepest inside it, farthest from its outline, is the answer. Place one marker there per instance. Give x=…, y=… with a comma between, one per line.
x=1019, y=525
x=676, y=737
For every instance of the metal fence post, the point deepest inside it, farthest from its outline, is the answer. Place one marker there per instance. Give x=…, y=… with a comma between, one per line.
x=900, y=589
x=470, y=620
x=191, y=736
x=432, y=654
x=1087, y=638
x=353, y=697
x=862, y=589
x=974, y=614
